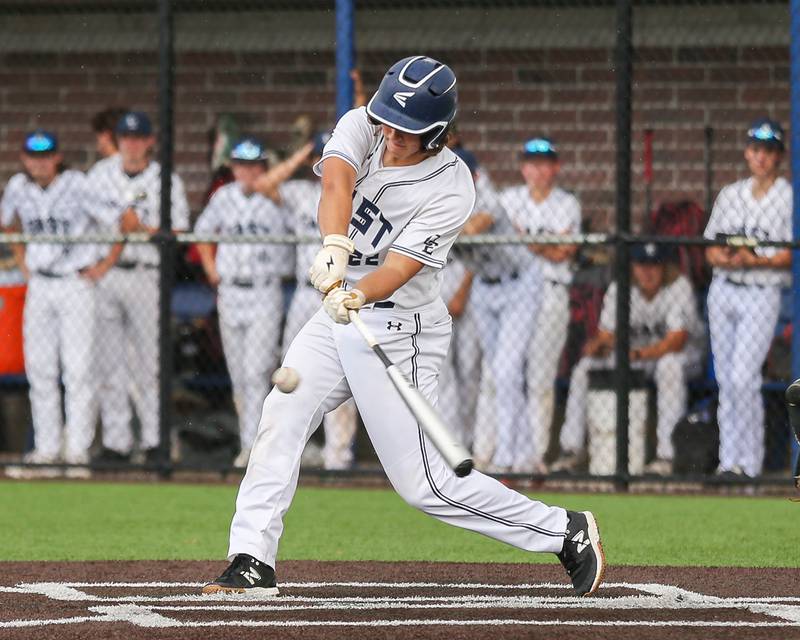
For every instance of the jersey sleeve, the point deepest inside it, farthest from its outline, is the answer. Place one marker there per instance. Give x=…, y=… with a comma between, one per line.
x=209, y=220
x=104, y=208
x=8, y=203
x=570, y=222
x=351, y=140
x=430, y=235
x=681, y=310
x=716, y=220
x=608, y=318
x=180, y=206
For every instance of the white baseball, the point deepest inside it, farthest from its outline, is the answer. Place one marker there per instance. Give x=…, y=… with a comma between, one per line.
x=286, y=379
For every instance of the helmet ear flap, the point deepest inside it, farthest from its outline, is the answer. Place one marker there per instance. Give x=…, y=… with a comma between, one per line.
x=434, y=140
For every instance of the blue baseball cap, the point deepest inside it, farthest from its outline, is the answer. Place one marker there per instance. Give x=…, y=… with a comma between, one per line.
x=134, y=123
x=248, y=150
x=40, y=141
x=539, y=147
x=468, y=157
x=768, y=132
x=320, y=140
x=649, y=253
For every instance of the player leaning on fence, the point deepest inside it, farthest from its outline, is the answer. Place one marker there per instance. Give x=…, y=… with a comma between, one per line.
x=393, y=201
x=744, y=298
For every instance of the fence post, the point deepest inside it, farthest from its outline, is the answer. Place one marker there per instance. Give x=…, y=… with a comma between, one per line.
x=164, y=238
x=623, y=66
x=795, y=164
x=345, y=56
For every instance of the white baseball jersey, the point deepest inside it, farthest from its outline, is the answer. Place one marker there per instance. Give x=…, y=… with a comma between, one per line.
x=417, y=211
x=63, y=208
x=559, y=213
x=115, y=191
x=232, y=212
x=737, y=212
x=673, y=308
x=301, y=198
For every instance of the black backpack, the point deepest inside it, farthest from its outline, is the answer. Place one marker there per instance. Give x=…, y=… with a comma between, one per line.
x=696, y=442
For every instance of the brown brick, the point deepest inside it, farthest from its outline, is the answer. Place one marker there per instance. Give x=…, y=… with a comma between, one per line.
x=708, y=54
x=515, y=56
x=315, y=96
x=233, y=78
x=29, y=59
x=206, y=98
x=707, y=95
x=645, y=93
x=206, y=59
x=547, y=116
x=87, y=60
x=264, y=97
x=781, y=73
x=582, y=136
x=51, y=80
x=314, y=58
x=24, y=98
x=592, y=96
x=596, y=116
x=598, y=74
x=19, y=80
x=672, y=115
x=527, y=95
x=489, y=75
x=301, y=77
x=650, y=55
x=735, y=114
x=547, y=76
x=737, y=74
x=764, y=54
x=262, y=60
x=94, y=99
x=139, y=59
x=668, y=74
x=578, y=56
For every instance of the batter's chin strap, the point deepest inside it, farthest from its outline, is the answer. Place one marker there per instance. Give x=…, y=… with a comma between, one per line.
x=793, y=408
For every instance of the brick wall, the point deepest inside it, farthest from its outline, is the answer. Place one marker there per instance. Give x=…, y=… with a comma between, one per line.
x=506, y=95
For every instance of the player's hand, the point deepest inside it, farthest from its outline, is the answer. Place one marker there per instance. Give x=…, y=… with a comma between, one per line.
x=129, y=222
x=212, y=275
x=330, y=265
x=96, y=272
x=339, y=302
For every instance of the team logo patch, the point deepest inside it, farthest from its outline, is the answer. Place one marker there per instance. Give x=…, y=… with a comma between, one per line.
x=402, y=97
x=431, y=242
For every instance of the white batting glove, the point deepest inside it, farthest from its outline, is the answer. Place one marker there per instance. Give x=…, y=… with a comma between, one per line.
x=339, y=302
x=330, y=265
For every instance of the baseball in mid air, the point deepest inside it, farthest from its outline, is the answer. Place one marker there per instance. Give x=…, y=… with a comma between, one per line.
x=286, y=379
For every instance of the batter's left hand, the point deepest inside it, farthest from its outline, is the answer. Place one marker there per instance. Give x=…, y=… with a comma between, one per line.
x=339, y=302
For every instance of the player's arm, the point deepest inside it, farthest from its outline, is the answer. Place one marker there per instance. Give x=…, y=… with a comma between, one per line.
x=101, y=268
x=17, y=249
x=781, y=259
x=718, y=256
x=479, y=222
x=673, y=342
x=600, y=345
x=334, y=213
x=268, y=183
x=555, y=252
x=458, y=303
x=396, y=271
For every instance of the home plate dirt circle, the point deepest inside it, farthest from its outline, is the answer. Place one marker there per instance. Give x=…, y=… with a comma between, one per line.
x=395, y=600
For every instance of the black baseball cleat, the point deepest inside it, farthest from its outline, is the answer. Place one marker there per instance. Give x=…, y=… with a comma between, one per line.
x=245, y=575
x=582, y=555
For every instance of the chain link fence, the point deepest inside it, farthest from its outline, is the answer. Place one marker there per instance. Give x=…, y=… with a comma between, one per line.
x=534, y=373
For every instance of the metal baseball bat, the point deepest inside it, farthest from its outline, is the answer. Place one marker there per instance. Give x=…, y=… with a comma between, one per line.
x=793, y=408
x=454, y=453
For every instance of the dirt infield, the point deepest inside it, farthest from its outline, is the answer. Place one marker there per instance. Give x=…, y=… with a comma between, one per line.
x=135, y=600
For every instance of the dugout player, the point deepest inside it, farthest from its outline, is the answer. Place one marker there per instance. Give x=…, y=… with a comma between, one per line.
x=104, y=124
x=541, y=207
x=297, y=188
x=744, y=297
x=46, y=198
x=247, y=277
x=393, y=201
x=666, y=338
x=128, y=190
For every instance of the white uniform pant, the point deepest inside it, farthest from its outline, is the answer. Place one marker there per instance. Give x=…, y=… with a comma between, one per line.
x=334, y=362
x=670, y=374
x=742, y=323
x=250, y=323
x=340, y=424
x=58, y=328
x=127, y=352
x=544, y=354
x=505, y=314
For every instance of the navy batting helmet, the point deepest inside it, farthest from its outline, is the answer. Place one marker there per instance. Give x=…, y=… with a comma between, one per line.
x=417, y=95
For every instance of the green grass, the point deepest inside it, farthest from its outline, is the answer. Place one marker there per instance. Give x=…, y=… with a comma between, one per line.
x=93, y=521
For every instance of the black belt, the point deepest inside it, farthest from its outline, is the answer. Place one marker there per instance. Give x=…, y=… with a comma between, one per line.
x=128, y=266
x=383, y=305
x=52, y=274
x=738, y=283
x=243, y=283
x=512, y=276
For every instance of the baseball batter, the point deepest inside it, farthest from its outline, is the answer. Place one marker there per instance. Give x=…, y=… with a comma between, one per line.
x=59, y=316
x=127, y=188
x=666, y=337
x=744, y=297
x=393, y=201
x=247, y=277
x=540, y=206
x=300, y=195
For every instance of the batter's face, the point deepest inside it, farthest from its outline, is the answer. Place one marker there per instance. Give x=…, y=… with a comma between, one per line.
x=648, y=277
x=105, y=144
x=246, y=174
x=402, y=148
x=763, y=160
x=135, y=150
x=42, y=167
x=540, y=173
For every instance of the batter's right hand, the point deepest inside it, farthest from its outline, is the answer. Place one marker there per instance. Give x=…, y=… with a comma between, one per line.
x=330, y=265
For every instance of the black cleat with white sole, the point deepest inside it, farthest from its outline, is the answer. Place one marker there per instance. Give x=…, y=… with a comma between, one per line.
x=245, y=575
x=582, y=555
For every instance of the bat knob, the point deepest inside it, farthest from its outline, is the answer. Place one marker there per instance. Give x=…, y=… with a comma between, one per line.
x=464, y=468
x=793, y=393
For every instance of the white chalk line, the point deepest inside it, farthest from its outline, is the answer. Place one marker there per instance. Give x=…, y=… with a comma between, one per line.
x=659, y=597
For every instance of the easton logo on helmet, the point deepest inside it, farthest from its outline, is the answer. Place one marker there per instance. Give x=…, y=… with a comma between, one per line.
x=402, y=96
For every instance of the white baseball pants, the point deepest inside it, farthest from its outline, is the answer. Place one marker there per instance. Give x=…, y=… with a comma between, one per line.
x=340, y=424
x=250, y=323
x=544, y=354
x=58, y=329
x=742, y=323
x=127, y=352
x=334, y=363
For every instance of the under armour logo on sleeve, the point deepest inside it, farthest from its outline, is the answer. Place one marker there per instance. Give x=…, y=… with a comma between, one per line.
x=397, y=326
